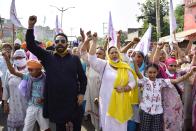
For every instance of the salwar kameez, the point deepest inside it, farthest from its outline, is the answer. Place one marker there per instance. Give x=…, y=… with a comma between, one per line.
x=17, y=104
x=109, y=75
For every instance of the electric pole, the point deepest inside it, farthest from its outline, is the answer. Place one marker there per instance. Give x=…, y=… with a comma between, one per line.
x=158, y=19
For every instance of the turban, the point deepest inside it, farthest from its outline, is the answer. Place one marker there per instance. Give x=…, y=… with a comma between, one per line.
x=170, y=61
x=17, y=41
x=49, y=43
x=34, y=64
x=19, y=53
x=24, y=45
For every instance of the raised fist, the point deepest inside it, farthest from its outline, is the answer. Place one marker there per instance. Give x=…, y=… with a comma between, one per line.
x=136, y=40
x=32, y=21
x=82, y=34
x=94, y=37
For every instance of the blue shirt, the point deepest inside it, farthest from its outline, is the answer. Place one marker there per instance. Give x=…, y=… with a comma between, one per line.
x=36, y=91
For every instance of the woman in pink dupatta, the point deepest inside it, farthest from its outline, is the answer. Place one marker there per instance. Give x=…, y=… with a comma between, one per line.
x=172, y=103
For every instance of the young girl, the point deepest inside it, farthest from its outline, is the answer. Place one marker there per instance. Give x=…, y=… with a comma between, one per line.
x=151, y=102
x=32, y=87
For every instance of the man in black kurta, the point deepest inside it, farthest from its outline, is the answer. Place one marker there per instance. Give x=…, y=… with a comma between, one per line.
x=65, y=81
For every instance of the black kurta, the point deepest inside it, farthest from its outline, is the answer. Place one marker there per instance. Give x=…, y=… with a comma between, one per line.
x=65, y=79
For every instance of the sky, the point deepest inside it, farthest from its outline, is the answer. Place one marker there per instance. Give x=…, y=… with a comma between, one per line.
x=88, y=14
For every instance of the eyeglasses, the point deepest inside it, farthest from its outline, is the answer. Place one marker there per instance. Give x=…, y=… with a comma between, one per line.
x=62, y=41
x=173, y=65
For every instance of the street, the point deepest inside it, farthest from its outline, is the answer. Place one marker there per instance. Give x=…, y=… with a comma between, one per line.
x=86, y=125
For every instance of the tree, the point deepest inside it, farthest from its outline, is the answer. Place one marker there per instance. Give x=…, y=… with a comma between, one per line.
x=148, y=9
x=179, y=14
x=149, y=16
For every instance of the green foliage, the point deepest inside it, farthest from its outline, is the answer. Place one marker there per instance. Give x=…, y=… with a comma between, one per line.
x=148, y=9
x=179, y=14
x=20, y=34
x=123, y=38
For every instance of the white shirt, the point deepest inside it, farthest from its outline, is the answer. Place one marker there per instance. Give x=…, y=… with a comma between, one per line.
x=151, y=97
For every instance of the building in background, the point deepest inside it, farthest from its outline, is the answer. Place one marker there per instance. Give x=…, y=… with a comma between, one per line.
x=44, y=33
x=190, y=14
x=133, y=32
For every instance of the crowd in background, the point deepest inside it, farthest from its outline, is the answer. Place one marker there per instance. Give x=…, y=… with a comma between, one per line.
x=122, y=89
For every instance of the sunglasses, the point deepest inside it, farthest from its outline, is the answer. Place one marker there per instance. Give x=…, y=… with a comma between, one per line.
x=173, y=65
x=62, y=41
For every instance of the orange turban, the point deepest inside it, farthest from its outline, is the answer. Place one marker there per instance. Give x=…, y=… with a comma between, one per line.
x=34, y=64
x=24, y=46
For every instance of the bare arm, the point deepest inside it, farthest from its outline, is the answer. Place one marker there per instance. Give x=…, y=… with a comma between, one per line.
x=152, y=53
x=157, y=53
x=137, y=70
x=129, y=45
x=181, y=54
x=193, y=62
x=106, y=43
x=92, y=50
x=184, y=77
x=10, y=67
x=85, y=45
x=188, y=47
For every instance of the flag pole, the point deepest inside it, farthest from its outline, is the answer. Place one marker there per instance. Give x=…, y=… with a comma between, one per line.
x=13, y=31
x=174, y=35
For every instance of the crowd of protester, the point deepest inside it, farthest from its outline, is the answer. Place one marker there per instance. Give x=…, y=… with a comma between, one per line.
x=120, y=88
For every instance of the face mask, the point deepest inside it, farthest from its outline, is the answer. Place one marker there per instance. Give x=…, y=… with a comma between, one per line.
x=20, y=63
x=116, y=60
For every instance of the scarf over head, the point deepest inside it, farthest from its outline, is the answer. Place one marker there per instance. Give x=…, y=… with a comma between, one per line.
x=168, y=62
x=120, y=106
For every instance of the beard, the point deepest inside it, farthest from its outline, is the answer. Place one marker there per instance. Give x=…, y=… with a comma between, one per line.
x=60, y=48
x=16, y=48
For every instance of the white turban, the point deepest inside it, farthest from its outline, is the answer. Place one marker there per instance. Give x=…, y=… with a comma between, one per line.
x=17, y=41
x=19, y=53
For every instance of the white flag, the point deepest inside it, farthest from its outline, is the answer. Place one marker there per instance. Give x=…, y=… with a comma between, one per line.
x=13, y=15
x=111, y=31
x=144, y=44
x=172, y=21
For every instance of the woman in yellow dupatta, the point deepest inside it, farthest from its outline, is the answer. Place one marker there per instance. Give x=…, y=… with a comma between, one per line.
x=123, y=96
x=118, y=89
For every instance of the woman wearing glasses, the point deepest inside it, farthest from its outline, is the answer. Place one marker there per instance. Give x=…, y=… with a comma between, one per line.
x=17, y=103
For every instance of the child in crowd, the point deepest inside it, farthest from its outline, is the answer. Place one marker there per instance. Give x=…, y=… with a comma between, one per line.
x=32, y=87
x=151, y=102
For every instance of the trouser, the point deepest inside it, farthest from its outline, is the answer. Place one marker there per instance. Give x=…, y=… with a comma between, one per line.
x=151, y=122
x=72, y=125
x=34, y=114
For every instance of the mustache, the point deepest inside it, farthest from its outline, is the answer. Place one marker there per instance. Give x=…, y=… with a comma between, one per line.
x=60, y=46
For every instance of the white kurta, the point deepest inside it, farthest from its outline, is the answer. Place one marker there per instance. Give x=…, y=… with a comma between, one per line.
x=109, y=75
x=17, y=103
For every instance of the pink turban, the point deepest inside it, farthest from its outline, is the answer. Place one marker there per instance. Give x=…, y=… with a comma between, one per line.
x=170, y=61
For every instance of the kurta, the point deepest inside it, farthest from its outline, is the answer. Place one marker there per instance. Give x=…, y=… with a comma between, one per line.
x=107, y=85
x=17, y=103
x=92, y=92
x=173, y=110
x=65, y=80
